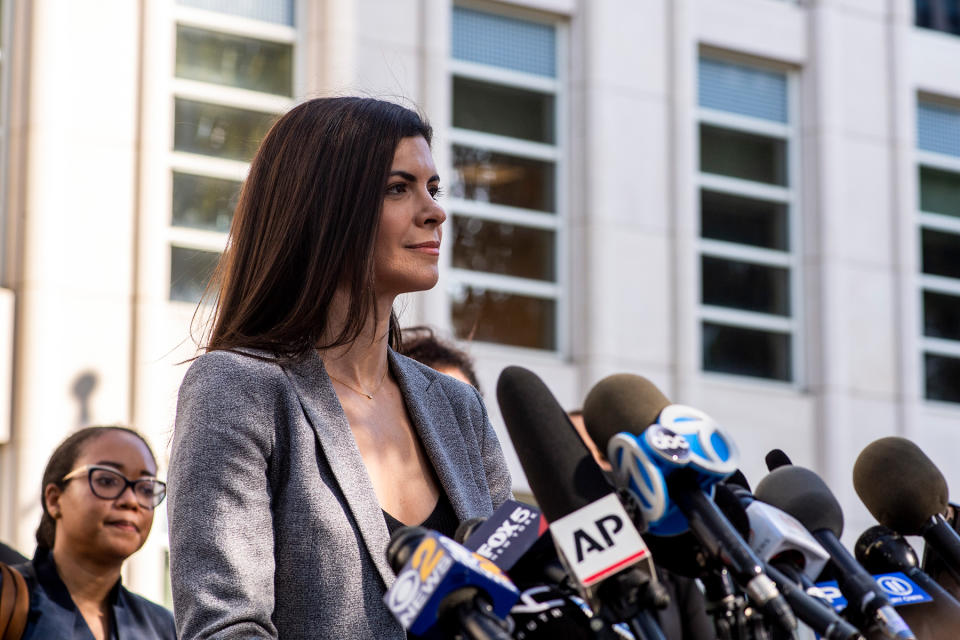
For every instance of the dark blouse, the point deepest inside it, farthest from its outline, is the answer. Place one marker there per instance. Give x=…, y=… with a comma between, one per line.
x=53, y=613
x=442, y=519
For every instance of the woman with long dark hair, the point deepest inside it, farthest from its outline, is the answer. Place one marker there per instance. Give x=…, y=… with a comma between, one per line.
x=99, y=493
x=302, y=438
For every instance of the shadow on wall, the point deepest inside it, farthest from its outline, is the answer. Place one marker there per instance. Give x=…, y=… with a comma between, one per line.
x=83, y=387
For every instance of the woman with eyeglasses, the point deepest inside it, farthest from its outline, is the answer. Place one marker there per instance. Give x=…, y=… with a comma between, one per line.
x=99, y=493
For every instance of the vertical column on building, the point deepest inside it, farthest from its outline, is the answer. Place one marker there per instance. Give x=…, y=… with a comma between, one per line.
x=621, y=220
x=75, y=287
x=848, y=252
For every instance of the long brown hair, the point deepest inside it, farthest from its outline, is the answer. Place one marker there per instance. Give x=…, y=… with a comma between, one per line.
x=61, y=463
x=305, y=224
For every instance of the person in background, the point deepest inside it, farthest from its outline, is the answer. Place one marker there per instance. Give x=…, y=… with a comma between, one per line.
x=422, y=344
x=686, y=618
x=99, y=492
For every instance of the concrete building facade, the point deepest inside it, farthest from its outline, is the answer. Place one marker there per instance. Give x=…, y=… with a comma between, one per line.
x=754, y=203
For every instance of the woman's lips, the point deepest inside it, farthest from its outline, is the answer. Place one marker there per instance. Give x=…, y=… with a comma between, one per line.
x=124, y=525
x=430, y=248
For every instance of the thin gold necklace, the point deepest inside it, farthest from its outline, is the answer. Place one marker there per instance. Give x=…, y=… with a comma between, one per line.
x=369, y=396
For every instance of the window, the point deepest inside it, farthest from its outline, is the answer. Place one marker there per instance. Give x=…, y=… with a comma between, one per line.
x=938, y=142
x=506, y=209
x=747, y=196
x=234, y=74
x=942, y=15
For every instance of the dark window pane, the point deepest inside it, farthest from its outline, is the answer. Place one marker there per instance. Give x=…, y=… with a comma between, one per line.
x=497, y=178
x=505, y=111
x=235, y=61
x=941, y=253
x=215, y=130
x=943, y=377
x=743, y=155
x=942, y=15
x=202, y=202
x=506, y=318
x=190, y=269
x=499, y=247
x=746, y=352
x=743, y=220
x=941, y=315
x=939, y=191
x=744, y=285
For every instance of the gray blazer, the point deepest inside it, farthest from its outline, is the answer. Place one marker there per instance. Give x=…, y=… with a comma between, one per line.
x=275, y=530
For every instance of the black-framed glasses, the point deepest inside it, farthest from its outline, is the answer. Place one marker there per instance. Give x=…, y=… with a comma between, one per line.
x=109, y=484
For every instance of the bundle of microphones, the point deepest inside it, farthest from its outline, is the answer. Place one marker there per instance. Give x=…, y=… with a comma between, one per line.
x=770, y=562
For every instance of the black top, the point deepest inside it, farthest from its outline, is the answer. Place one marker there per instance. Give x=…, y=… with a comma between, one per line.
x=53, y=613
x=443, y=519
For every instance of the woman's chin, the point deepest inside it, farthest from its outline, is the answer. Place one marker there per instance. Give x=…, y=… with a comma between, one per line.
x=413, y=282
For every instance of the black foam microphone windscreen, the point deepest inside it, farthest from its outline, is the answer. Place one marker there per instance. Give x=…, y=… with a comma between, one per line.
x=570, y=479
x=621, y=402
x=731, y=507
x=899, y=484
x=466, y=529
x=804, y=495
x=776, y=459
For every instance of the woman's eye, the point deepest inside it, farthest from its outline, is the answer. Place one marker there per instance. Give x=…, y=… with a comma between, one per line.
x=106, y=481
x=396, y=188
x=436, y=192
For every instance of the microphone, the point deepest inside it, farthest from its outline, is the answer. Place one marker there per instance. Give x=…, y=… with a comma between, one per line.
x=670, y=456
x=514, y=539
x=776, y=459
x=778, y=537
x=804, y=495
x=882, y=550
x=443, y=589
x=904, y=490
x=781, y=559
x=595, y=538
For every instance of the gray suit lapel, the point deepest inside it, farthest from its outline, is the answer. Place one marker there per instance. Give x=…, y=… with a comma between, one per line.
x=326, y=416
x=435, y=422
x=439, y=431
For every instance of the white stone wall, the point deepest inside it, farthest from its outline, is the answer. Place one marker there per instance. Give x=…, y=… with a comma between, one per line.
x=92, y=208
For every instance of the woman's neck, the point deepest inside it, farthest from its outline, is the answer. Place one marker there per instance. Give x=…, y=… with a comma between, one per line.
x=89, y=582
x=363, y=361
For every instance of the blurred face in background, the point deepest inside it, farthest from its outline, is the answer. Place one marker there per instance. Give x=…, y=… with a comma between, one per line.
x=577, y=419
x=97, y=529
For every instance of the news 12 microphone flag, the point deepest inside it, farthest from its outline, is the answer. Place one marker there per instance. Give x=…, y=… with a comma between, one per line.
x=438, y=567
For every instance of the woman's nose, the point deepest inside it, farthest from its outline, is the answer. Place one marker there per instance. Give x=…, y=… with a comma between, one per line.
x=433, y=213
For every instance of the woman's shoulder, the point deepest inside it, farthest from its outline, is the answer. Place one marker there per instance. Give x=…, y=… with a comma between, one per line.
x=247, y=369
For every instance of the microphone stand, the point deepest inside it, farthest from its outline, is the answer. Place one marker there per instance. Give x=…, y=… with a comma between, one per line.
x=474, y=616
x=733, y=618
x=722, y=604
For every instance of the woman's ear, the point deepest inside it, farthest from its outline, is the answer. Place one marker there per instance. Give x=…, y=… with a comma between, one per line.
x=51, y=497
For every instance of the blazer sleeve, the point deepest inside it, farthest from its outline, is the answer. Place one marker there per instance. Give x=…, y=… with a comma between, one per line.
x=221, y=524
x=495, y=466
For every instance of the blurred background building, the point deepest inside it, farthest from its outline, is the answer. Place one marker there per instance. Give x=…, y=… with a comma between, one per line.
x=754, y=203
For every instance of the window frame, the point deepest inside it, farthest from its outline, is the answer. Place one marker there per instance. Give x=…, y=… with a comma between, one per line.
x=557, y=153
x=209, y=166
x=933, y=283
x=790, y=196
